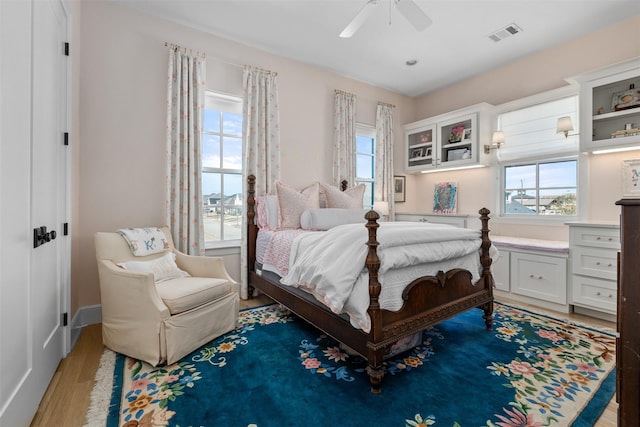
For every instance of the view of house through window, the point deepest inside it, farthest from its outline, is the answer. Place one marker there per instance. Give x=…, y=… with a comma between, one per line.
x=222, y=198
x=365, y=161
x=541, y=188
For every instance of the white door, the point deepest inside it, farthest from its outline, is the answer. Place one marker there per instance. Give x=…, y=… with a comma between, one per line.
x=34, y=273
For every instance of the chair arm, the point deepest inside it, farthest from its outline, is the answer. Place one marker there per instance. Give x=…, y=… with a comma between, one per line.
x=203, y=266
x=129, y=296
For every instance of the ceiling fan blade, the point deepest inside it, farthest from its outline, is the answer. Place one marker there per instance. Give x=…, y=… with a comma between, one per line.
x=362, y=15
x=412, y=12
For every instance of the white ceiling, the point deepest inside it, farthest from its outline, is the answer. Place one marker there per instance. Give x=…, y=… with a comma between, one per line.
x=455, y=47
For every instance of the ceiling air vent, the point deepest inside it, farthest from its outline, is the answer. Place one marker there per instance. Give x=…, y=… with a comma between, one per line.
x=505, y=32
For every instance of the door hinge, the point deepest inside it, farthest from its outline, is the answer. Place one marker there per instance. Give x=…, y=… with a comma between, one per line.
x=65, y=229
x=66, y=49
x=65, y=319
x=66, y=138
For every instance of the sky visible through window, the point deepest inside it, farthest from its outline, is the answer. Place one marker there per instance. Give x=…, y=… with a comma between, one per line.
x=211, y=152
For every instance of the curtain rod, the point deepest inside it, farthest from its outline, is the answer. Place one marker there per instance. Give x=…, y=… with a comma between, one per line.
x=184, y=49
x=215, y=58
x=262, y=70
x=365, y=99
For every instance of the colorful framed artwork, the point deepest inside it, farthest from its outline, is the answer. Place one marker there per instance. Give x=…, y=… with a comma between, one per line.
x=399, y=190
x=631, y=178
x=456, y=133
x=445, y=198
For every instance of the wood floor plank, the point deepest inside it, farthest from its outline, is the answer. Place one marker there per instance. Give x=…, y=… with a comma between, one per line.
x=68, y=396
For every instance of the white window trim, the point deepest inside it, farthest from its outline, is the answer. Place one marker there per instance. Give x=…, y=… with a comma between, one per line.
x=231, y=246
x=572, y=89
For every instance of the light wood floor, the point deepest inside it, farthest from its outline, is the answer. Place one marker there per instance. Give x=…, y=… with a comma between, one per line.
x=67, y=399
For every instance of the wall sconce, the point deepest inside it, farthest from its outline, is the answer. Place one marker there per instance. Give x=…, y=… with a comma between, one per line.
x=565, y=126
x=382, y=208
x=496, y=141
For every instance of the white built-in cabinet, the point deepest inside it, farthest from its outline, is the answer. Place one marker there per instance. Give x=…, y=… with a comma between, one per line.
x=594, y=253
x=532, y=271
x=447, y=141
x=610, y=107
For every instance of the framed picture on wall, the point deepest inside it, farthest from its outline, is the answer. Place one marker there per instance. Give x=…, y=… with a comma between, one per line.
x=399, y=183
x=631, y=178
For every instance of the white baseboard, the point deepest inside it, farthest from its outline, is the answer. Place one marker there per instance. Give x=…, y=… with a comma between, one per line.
x=86, y=315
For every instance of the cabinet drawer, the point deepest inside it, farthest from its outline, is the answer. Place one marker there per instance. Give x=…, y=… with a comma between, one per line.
x=595, y=262
x=596, y=237
x=539, y=276
x=596, y=293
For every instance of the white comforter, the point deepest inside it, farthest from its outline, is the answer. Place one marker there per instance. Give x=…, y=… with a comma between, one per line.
x=330, y=265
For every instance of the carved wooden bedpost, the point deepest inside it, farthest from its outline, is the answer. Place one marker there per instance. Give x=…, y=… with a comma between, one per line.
x=485, y=260
x=252, y=229
x=375, y=356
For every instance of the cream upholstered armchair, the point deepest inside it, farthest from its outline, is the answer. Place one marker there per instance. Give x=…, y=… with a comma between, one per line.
x=162, y=321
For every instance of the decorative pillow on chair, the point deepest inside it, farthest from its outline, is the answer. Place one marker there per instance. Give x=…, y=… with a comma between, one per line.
x=163, y=268
x=292, y=202
x=349, y=199
x=145, y=241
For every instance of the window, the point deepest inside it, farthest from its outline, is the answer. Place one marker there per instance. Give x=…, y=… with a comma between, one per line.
x=365, y=161
x=539, y=166
x=541, y=188
x=222, y=198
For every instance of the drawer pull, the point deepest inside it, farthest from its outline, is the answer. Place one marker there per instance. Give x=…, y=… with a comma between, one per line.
x=600, y=294
x=533, y=277
x=598, y=238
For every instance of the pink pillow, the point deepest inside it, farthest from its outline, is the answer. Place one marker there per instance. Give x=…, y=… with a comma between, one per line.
x=292, y=203
x=349, y=199
x=261, y=212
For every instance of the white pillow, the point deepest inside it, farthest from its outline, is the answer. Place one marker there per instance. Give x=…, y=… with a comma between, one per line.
x=348, y=199
x=324, y=219
x=145, y=241
x=292, y=202
x=163, y=268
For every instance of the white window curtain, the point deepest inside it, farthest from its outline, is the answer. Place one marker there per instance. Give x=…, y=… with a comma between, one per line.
x=384, y=156
x=261, y=146
x=185, y=104
x=344, y=137
x=530, y=132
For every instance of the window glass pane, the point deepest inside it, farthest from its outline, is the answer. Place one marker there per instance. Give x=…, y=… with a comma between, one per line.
x=233, y=189
x=232, y=227
x=364, y=144
x=520, y=202
x=211, y=121
x=211, y=151
x=558, y=174
x=364, y=166
x=211, y=188
x=520, y=176
x=558, y=201
x=232, y=153
x=232, y=124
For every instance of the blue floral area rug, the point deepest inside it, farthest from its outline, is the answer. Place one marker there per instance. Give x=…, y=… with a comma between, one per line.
x=274, y=371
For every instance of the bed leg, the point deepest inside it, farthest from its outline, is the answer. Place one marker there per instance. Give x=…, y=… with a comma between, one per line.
x=375, y=378
x=488, y=315
x=250, y=290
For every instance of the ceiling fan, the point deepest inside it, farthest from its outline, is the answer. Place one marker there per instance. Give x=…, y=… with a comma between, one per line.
x=407, y=8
